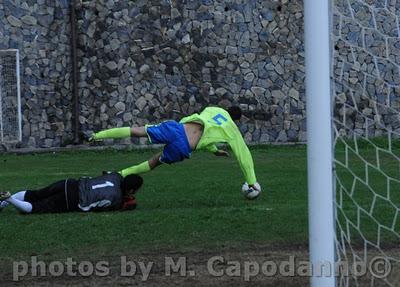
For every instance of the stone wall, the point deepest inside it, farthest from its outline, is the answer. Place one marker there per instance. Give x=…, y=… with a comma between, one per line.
x=146, y=61
x=40, y=30
x=366, y=38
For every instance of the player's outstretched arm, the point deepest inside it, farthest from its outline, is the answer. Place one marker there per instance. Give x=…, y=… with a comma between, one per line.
x=244, y=158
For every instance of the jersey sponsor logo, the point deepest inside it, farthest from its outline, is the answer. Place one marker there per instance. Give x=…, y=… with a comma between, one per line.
x=102, y=185
x=219, y=118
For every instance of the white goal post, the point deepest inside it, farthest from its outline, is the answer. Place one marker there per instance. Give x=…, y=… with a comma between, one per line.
x=10, y=97
x=319, y=141
x=352, y=53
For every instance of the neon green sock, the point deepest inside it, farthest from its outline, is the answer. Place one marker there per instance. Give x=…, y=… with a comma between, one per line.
x=116, y=133
x=136, y=169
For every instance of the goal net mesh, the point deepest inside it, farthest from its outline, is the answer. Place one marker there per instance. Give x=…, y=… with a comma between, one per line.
x=366, y=123
x=10, y=120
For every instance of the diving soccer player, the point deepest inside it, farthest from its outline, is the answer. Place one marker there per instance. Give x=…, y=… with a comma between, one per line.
x=103, y=193
x=198, y=131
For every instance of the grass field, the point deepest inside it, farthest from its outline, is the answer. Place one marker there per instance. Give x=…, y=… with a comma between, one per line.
x=194, y=208
x=195, y=204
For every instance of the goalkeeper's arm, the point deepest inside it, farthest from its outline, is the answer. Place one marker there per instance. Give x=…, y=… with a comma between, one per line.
x=244, y=158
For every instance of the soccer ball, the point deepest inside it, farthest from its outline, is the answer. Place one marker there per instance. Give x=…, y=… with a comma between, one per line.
x=251, y=192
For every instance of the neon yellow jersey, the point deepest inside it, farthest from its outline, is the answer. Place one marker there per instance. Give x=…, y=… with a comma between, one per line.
x=220, y=128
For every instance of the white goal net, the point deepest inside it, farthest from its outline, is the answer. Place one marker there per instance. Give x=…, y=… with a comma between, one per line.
x=10, y=98
x=366, y=123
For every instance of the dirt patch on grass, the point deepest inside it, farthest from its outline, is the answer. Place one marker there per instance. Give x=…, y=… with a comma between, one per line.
x=231, y=267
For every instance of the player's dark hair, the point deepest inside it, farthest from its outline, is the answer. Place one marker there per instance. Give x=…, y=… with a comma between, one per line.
x=131, y=182
x=235, y=112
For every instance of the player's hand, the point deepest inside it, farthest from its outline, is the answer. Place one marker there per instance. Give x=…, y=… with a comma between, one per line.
x=221, y=153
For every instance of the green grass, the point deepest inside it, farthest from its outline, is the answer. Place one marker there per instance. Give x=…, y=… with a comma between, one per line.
x=371, y=197
x=192, y=205
x=195, y=204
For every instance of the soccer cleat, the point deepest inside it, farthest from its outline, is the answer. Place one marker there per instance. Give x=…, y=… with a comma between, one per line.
x=3, y=204
x=89, y=136
x=4, y=195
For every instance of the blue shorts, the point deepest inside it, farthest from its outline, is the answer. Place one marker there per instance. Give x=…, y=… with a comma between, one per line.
x=173, y=135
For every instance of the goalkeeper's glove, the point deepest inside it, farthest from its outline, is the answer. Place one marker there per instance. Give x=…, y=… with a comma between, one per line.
x=128, y=203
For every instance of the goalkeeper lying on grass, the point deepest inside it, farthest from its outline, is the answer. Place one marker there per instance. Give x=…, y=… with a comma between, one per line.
x=104, y=193
x=198, y=131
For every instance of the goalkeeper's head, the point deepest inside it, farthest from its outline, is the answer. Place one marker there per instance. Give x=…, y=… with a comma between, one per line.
x=131, y=184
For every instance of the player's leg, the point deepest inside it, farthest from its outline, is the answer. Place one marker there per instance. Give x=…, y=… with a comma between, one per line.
x=164, y=133
x=3, y=196
x=54, y=204
x=155, y=161
x=171, y=153
x=138, y=132
x=21, y=205
x=31, y=196
x=119, y=133
x=61, y=196
x=25, y=201
x=176, y=149
x=36, y=195
x=143, y=167
x=157, y=134
x=64, y=197
x=19, y=195
x=3, y=204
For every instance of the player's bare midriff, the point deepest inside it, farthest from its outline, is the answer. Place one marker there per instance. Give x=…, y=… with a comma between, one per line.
x=194, y=131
